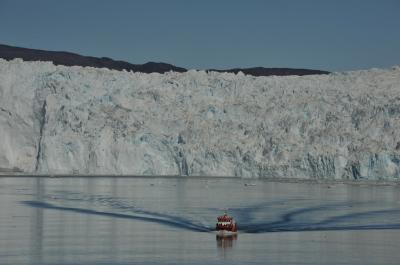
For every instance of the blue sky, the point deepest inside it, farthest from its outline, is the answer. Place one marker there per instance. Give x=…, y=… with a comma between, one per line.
x=321, y=34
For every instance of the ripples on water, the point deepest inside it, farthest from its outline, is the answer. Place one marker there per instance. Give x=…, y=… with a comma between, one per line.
x=179, y=215
x=287, y=221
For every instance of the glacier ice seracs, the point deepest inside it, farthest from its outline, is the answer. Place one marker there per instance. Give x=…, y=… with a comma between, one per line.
x=75, y=120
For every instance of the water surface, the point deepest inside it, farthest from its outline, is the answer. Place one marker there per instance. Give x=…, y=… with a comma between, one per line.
x=170, y=221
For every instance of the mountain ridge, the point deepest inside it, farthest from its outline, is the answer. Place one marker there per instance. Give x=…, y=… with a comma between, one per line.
x=8, y=53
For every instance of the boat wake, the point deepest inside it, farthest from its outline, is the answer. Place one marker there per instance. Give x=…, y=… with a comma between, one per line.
x=175, y=222
x=329, y=217
x=288, y=216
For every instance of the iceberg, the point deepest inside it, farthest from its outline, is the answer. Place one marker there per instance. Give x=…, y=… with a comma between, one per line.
x=83, y=120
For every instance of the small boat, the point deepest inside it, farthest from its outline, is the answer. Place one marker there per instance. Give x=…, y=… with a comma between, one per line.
x=226, y=225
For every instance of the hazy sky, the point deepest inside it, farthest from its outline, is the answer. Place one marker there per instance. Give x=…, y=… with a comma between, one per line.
x=322, y=34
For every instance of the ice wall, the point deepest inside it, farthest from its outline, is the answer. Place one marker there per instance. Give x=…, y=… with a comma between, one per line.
x=74, y=120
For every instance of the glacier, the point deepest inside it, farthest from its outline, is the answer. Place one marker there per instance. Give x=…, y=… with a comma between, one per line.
x=83, y=120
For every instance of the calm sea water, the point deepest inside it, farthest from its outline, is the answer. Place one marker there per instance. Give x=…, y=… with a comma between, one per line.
x=170, y=221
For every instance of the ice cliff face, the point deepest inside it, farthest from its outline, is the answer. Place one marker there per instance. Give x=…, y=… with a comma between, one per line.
x=74, y=120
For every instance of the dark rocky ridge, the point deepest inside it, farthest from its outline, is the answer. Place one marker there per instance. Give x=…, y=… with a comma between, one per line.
x=262, y=71
x=70, y=59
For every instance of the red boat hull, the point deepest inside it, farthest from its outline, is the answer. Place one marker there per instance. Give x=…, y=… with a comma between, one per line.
x=225, y=232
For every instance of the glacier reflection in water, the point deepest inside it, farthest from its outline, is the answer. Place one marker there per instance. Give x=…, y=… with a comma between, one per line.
x=170, y=220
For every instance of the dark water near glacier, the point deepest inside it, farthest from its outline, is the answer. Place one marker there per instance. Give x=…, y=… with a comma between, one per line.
x=170, y=221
